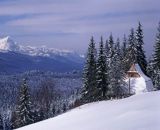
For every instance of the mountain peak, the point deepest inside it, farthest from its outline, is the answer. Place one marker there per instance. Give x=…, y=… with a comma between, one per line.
x=7, y=44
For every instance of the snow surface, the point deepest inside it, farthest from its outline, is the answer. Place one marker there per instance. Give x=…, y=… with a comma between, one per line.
x=139, y=112
x=140, y=84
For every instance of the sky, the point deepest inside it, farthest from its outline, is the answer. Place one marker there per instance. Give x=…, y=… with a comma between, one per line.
x=69, y=24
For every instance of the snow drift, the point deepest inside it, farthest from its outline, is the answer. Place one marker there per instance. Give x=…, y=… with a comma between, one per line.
x=139, y=112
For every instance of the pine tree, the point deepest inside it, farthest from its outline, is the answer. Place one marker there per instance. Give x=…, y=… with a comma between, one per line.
x=152, y=72
x=1, y=123
x=117, y=72
x=118, y=48
x=141, y=58
x=124, y=46
x=156, y=56
x=102, y=83
x=131, y=55
x=89, y=75
x=125, y=52
x=107, y=48
x=156, y=59
x=24, y=115
x=110, y=46
x=132, y=50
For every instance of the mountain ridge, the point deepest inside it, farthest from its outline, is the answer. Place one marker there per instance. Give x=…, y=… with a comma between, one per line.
x=15, y=58
x=7, y=44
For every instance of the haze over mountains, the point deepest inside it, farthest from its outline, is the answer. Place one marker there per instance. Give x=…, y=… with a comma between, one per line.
x=15, y=58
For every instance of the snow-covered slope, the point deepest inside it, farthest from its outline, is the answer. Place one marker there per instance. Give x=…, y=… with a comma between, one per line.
x=139, y=112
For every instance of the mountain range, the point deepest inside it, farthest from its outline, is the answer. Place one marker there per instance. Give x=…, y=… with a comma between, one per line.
x=15, y=58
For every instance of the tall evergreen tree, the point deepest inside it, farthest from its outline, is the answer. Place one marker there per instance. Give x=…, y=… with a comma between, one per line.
x=131, y=56
x=118, y=48
x=124, y=52
x=141, y=58
x=110, y=46
x=106, y=48
x=124, y=46
x=24, y=115
x=89, y=75
x=1, y=123
x=132, y=49
x=102, y=83
x=117, y=74
x=156, y=56
x=156, y=59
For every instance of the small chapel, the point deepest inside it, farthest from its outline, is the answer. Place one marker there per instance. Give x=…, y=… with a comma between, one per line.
x=137, y=81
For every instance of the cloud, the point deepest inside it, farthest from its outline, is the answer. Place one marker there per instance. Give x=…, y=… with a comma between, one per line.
x=75, y=20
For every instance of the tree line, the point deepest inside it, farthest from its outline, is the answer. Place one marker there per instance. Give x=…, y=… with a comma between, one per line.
x=106, y=67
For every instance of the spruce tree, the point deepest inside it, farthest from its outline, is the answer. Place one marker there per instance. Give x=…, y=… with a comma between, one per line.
x=141, y=58
x=102, y=83
x=24, y=115
x=156, y=59
x=124, y=52
x=1, y=123
x=117, y=72
x=110, y=46
x=156, y=56
x=89, y=75
x=124, y=46
x=131, y=56
x=132, y=49
x=118, y=48
x=107, y=48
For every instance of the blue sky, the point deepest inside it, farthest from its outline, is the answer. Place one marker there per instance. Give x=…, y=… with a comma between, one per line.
x=69, y=24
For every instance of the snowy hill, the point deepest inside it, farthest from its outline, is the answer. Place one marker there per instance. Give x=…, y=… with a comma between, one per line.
x=139, y=112
x=26, y=58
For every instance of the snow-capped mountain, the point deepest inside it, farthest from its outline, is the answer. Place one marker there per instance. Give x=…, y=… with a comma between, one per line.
x=7, y=44
x=36, y=58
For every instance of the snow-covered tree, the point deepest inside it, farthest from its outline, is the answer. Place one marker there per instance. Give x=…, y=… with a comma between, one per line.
x=117, y=72
x=131, y=54
x=102, y=81
x=132, y=49
x=124, y=46
x=141, y=58
x=24, y=115
x=156, y=59
x=89, y=75
x=156, y=56
x=110, y=47
x=106, y=47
